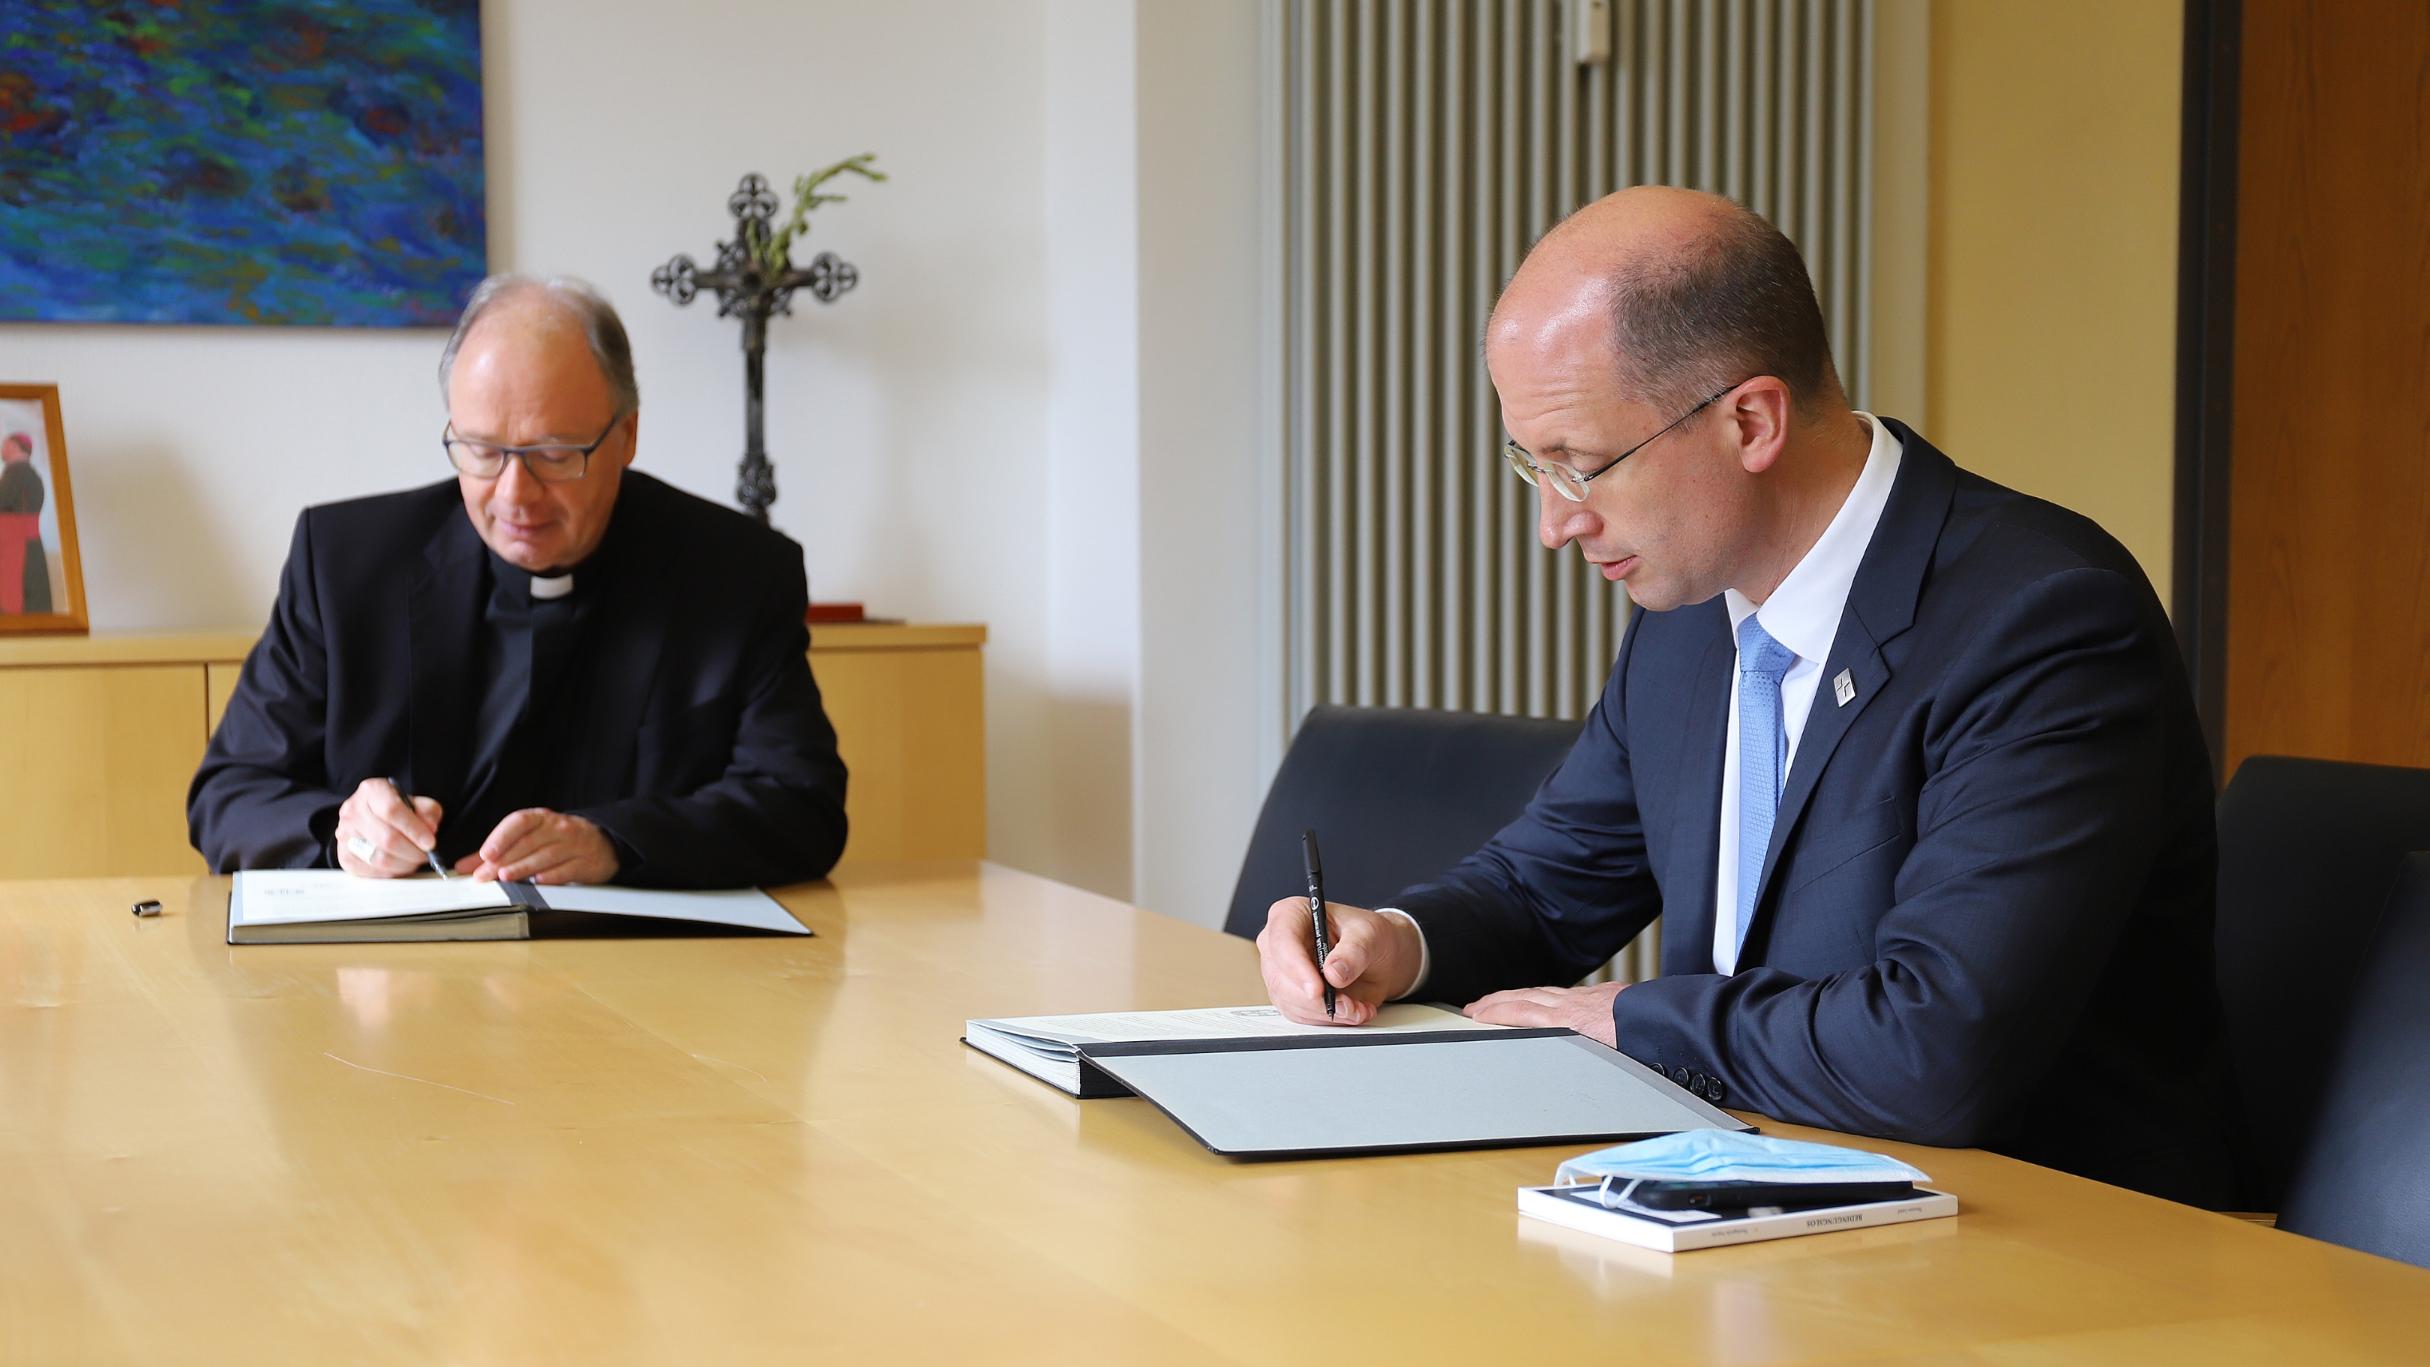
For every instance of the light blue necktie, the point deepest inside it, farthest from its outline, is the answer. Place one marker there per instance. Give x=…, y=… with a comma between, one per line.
x=1763, y=743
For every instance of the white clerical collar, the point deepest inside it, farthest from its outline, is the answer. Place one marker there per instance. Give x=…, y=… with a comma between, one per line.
x=1803, y=613
x=546, y=586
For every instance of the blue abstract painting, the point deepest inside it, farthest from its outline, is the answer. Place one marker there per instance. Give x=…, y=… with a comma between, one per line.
x=240, y=161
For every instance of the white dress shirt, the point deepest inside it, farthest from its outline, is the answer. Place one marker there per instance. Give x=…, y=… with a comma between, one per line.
x=1802, y=614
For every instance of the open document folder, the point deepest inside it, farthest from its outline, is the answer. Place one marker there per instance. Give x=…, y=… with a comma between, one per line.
x=310, y=906
x=1248, y=1084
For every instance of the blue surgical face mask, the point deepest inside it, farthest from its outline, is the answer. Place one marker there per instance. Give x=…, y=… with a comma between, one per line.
x=1728, y=1156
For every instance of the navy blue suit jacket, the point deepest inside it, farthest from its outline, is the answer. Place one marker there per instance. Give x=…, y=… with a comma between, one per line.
x=1985, y=914
x=711, y=760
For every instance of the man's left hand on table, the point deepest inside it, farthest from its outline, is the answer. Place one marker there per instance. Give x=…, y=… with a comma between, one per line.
x=1587, y=1010
x=536, y=845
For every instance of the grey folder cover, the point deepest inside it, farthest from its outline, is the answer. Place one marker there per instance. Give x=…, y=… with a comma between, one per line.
x=1302, y=1096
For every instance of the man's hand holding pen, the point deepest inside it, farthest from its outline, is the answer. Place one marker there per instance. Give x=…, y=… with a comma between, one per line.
x=1373, y=960
x=382, y=833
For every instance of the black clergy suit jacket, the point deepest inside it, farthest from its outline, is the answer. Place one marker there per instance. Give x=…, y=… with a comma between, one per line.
x=690, y=729
x=1984, y=917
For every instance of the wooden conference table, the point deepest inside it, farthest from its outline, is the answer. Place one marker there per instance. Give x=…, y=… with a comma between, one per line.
x=731, y=1150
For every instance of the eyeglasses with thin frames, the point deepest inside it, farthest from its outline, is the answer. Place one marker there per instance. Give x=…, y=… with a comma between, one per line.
x=549, y=462
x=1566, y=481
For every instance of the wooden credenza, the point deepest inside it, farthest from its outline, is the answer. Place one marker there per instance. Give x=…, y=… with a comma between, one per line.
x=99, y=736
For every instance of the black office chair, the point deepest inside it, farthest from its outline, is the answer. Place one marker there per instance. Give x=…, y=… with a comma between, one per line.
x=2361, y=1180
x=1395, y=797
x=2308, y=850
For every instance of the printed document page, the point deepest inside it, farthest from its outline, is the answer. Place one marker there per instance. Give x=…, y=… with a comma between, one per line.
x=271, y=896
x=1214, y=1022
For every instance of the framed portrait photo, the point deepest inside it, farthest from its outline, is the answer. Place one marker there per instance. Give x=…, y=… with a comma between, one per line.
x=41, y=580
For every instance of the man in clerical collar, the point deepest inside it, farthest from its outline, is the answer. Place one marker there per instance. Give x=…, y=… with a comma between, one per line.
x=550, y=669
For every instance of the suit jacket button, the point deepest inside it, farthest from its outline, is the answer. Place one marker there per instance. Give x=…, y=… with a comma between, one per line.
x=1713, y=1093
x=1696, y=1084
x=1681, y=1075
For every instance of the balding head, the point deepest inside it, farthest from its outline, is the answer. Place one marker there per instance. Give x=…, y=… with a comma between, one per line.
x=1694, y=292
x=554, y=302
x=1663, y=375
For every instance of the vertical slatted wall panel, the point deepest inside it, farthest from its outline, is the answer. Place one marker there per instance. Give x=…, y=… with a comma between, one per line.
x=1429, y=143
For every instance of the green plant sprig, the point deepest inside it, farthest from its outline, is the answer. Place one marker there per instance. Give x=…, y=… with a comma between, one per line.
x=776, y=254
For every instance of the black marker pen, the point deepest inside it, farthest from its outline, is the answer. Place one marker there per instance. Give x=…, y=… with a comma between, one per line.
x=1316, y=911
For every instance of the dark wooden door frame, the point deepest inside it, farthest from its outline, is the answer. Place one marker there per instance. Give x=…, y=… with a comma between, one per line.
x=2206, y=310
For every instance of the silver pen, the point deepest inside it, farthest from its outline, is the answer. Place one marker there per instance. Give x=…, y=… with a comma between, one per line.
x=430, y=854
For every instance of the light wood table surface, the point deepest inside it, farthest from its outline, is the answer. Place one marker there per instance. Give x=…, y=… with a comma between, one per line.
x=744, y=1150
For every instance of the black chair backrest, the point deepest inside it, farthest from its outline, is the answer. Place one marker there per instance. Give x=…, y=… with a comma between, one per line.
x=2308, y=850
x=2361, y=1180
x=1395, y=797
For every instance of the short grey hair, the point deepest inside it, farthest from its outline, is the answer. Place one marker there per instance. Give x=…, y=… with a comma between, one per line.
x=580, y=301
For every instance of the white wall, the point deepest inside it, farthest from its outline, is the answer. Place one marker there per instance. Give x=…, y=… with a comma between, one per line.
x=1162, y=728
x=1076, y=811
x=1209, y=454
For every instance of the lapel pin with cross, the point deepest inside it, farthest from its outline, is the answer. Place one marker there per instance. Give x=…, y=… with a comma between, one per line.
x=1843, y=688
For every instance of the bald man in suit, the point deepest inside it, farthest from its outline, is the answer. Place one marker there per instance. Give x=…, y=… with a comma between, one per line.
x=1905, y=761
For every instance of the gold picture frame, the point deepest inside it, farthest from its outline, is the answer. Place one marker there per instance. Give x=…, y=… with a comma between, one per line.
x=41, y=577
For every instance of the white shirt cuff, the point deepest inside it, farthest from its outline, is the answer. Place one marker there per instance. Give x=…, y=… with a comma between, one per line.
x=1425, y=961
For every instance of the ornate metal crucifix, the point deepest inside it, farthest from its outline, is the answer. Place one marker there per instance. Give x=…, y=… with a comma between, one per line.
x=751, y=287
